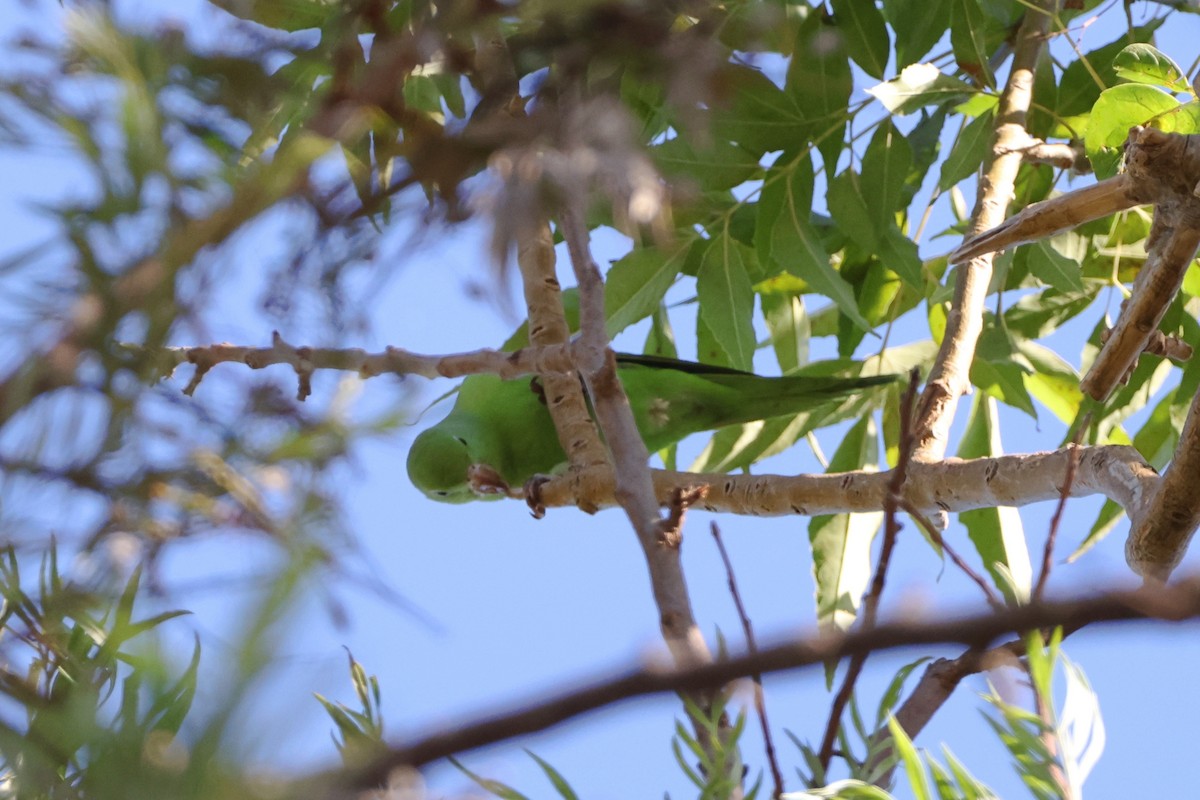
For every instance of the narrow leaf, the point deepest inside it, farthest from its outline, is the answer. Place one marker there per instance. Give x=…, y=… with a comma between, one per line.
x=727, y=299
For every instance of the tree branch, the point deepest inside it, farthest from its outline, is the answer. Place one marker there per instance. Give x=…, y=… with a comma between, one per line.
x=1160, y=536
x=1118, y=472
x=1155, y=163
x=950, y=377
x=1177, y=602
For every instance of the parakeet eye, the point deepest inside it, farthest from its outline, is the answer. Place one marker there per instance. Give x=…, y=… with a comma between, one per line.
x=461, y=440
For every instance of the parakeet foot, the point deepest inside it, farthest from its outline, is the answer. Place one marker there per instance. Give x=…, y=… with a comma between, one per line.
x=533, y=495
x=485, y=480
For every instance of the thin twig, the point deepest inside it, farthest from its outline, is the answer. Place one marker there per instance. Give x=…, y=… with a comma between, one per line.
x=993, y=599
x=760, y=703
x=891, y=529
x=1056, y=520
x=1174, y=602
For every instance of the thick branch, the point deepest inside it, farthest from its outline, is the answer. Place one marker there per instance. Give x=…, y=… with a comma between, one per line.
x=1158, y=540
x=630, y=478
x=1177, y=602
x=548, y=329
x=950, y=377
x=1117, y=472
x=1044, y=219
x=1155, y=163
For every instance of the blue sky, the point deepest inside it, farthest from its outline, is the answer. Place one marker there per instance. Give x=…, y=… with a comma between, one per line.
x=523, y=606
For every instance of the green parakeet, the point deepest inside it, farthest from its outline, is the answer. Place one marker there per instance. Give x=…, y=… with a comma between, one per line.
x=507, y=426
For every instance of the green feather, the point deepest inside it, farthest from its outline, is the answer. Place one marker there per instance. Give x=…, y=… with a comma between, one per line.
x=506, y=425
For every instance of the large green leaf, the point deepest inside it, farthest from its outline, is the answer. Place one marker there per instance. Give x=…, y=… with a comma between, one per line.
x=1118, y=110
x=848, y=206
x=865, y=33
x=970, y=148
x=797, y=248
x=819, y=81
x=720, y=165
x=635, y=285
x=1144, y=63
x=1057, y=261
x=885, y=170
x=919, y=24
x=1053, y=382
x=997, y=533
x=787, y=322
x=841, y=543
x=757, y=114
x=969, y=35
x=1084, y=79
x=727, y=299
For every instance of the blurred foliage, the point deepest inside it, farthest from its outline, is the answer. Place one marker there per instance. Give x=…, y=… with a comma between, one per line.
x=337, y=124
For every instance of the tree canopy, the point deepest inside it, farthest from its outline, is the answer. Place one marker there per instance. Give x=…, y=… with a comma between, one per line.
x=751, y=185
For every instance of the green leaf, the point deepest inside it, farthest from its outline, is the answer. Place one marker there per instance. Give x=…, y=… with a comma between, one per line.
x=738, y=446
x=797, y=248
x=848, y=206
x=1053, y=382
x=919, y=24
x=1116, y=111
x=635, y=285
x=969, y=33
x=289, y=15
x=727, y=299
x=787, y=322
x=819, y=82
x=1110, y=514
x=997, y=533
x=560, y=784
x=968, y=785
x=891, y=695
x=1057, y=261
x=969, y=151
x=789, y=181
x=899, y=254
x=920, y=85
x=660, y=341
x=1005, y=382
x=721, y=165
x=759, y=116
x=1036, y=316
x=918, y=781
x=1084, y=79
x=1144, y=63
x=497, y=788
x=841, y=543
x=865, y=34
x=885, y=170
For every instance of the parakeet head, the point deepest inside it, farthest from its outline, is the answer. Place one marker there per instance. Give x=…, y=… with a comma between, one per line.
x=438, y=464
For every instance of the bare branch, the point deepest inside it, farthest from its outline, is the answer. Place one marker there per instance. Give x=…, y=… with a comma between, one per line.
x=988, y=592
x=1176, y=602
x=1044, y=219
x=1155, y=161
x=552, y=359
x=1056, y=519
x=760, y=703
x=949, y=378
x=1159, y=537
x=1117, y=472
